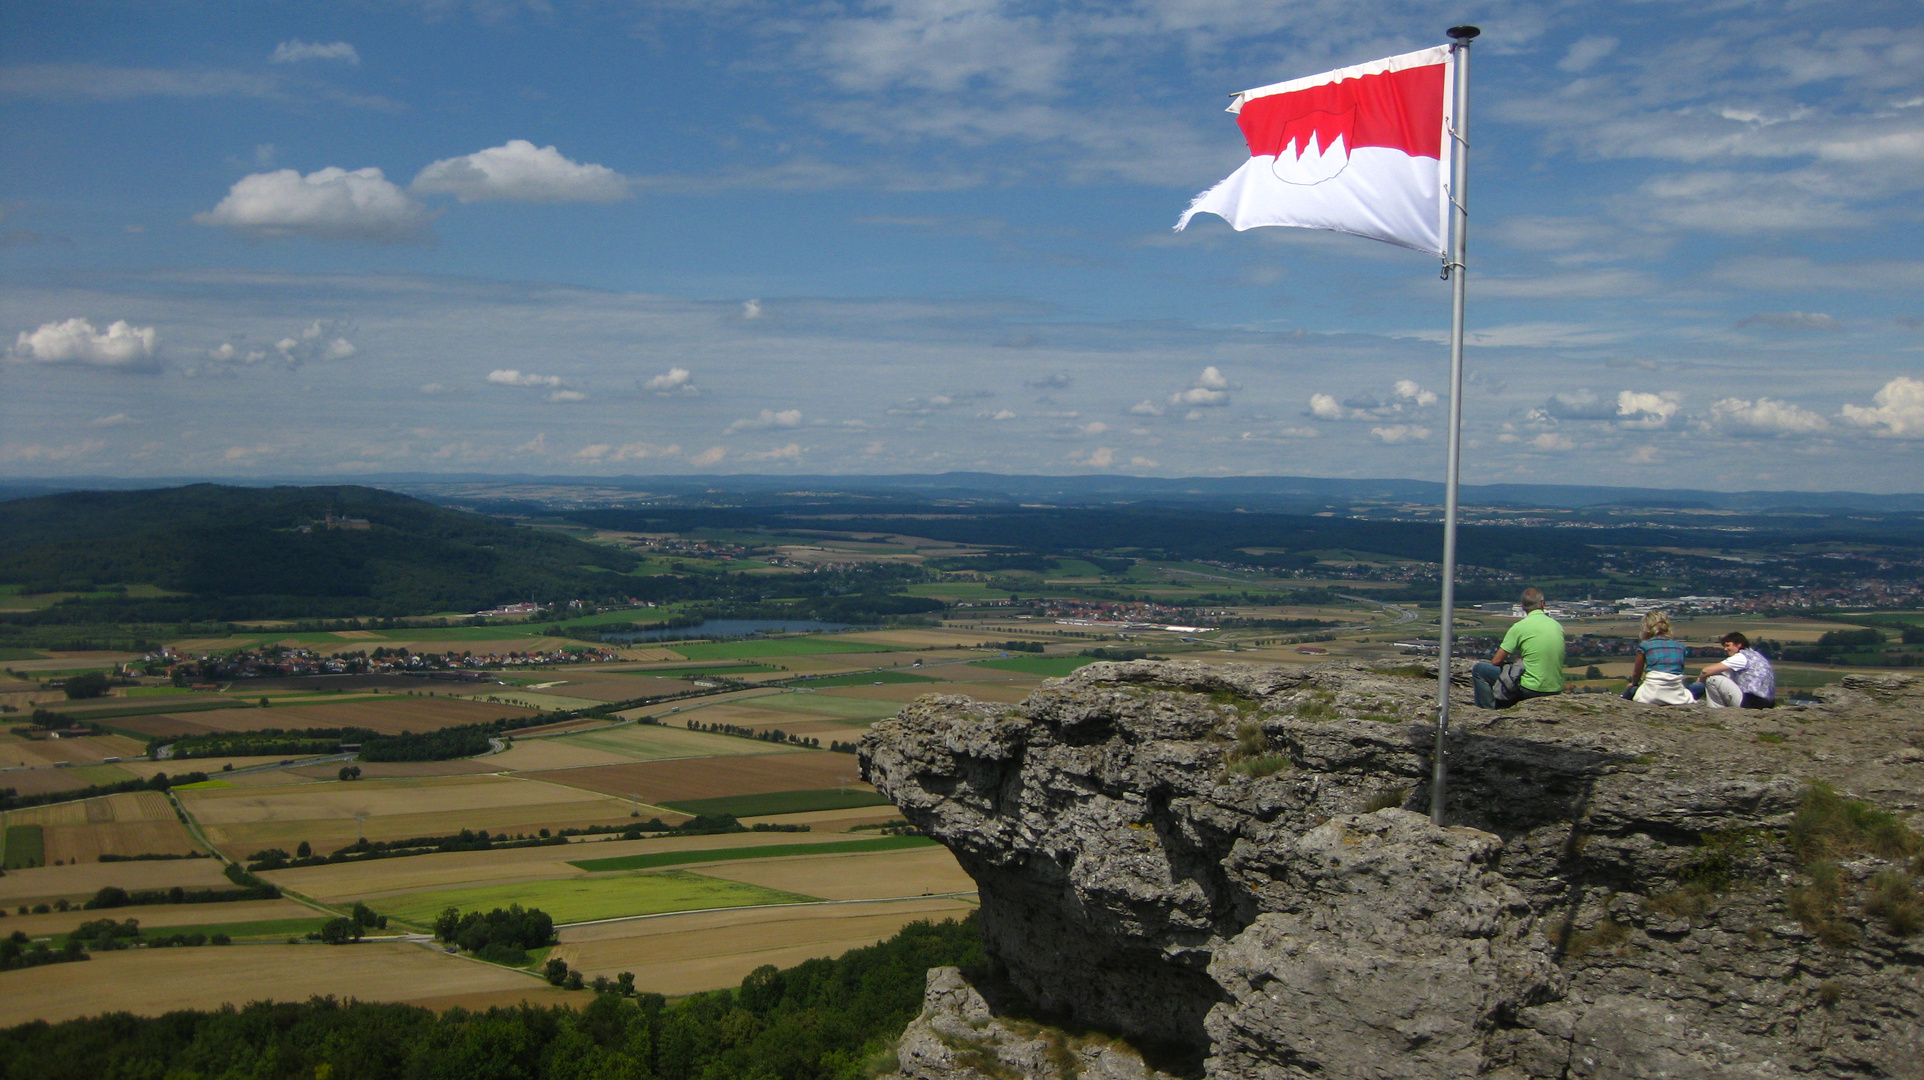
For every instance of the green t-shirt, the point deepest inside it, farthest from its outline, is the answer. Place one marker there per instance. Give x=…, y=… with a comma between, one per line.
x=1537, y=640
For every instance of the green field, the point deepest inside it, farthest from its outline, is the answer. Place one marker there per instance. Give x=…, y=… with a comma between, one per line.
x=151, y=705
x=1053, y=667
x=20, y=654
x=203, y=784
x=963, y=590
x=263, y=930
x=654, y=742
x=865, y=678
x=779, y=802
x=584, y=899
x=781, y=646
x=25, y=847
x=773, y=851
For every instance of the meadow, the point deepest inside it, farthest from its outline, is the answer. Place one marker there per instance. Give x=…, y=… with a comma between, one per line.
x=588, y=898
x=657, y=782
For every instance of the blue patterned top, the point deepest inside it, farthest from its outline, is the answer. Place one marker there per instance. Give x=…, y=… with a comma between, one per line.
x=1664, y=654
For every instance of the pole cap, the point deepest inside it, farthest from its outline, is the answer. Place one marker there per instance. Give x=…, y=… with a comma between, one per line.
x=1463, y=33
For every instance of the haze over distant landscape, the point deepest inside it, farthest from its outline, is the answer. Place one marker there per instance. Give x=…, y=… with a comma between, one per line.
x=637, y=239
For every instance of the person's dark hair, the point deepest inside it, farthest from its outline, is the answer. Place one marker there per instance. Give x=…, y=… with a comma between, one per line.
x=1532, y=599
x=1736, y=639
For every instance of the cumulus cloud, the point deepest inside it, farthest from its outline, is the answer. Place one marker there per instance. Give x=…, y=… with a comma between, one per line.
x=115, y=420
x=1093, y=427
x=521, y=171
x=1209, y=390
x=1102, y=457
x=791, y=452
x=567, y=397
x=1764, y=416
x=1394, y=434
x=1581, y=404
x=122, y=345
x=1003, y=414
x=320, y=341
x=295, y=51
x=536, y=445
x=515, y=377
x=1056, y=381
x=1792, y=320
x=1897, y=410
x=1145, y=407
x=1141, y=462
x=767, y=418
x=1553, y=442
x=710, y=456
x=1405, y=397
x=1408, y=390
x=331, y=204
x=751, y=309
x=1636, y=409
x=674, y=381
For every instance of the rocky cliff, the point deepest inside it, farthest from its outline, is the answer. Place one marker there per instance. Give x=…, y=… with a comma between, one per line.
x=1231, y=868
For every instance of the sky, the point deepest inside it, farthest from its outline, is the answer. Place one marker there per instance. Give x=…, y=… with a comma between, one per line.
x=611, y=237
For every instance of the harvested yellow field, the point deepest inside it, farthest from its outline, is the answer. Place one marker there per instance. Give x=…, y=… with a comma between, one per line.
x=152, y=982
x=348, y=882
x=331, y=815
x=382, y=770
x=622, y=744
x=156, y=916
x=683, y=954
x=136, y=823
x=874, y=875
x=86, y=750
x=80, y=881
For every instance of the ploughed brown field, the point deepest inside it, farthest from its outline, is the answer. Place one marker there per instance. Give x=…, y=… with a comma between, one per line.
x=702, y=778
x=87, y=750
x=417, y=714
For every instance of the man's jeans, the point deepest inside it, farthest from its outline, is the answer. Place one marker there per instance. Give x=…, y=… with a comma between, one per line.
x=1485, y=676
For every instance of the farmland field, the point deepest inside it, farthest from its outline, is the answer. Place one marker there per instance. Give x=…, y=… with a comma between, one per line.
x=783, y=646
x=164, y=980
x=155, y=916
x=330, y=815
x=1053, y=667
x=781, y=802
x=48, y=780
x=868, y=678
x=82, y=751
x=683, y=954
x=658, y=781
x=82, y=880
x=26, y=846
x=630, y=742
x=585, y=899
x=776, y=851
x=137, y=823
x=927, y=870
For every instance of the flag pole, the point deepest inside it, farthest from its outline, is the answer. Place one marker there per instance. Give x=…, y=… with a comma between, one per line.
x=1456, y=270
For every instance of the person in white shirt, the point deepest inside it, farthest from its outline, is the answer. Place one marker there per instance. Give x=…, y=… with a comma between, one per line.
x=1743, y=680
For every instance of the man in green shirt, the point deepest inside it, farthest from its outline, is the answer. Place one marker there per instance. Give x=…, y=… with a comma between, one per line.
x=1528, y=664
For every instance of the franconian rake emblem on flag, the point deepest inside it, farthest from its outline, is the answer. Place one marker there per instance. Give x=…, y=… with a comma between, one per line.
x=1361, y=150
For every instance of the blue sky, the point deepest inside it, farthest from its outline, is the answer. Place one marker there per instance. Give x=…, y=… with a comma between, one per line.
x=250, y=239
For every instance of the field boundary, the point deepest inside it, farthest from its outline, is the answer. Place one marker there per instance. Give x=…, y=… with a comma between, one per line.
x=654, y=859
x=771, y=907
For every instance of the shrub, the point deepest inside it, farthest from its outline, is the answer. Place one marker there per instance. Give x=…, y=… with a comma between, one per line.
x=340, y=931
x=555, y=971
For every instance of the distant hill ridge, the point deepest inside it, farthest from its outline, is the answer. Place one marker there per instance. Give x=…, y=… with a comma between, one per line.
x=240, y=552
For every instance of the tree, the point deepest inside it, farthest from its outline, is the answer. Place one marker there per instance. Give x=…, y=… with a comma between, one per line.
x=340, y=931
x=350, y=772
x=556, y=971
x=573, y=981
x=365, y=917
x=87, y=684
x=447, y=924
x=304, y=850
x=625, y=984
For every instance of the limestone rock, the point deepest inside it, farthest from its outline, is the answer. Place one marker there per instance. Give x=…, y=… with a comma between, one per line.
x=956, y=1038
x=1230, y=867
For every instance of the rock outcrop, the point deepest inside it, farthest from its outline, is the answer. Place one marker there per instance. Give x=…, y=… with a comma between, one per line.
x=1232, y=868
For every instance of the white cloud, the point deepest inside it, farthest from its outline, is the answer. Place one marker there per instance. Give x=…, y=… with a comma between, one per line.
x=1580, y=404
x=536, y=445
x=1003, y=414
x=43, y=452
x=1102, y=457
x=1145, y=407
x=1145, y=463
x=767, y=418
x=1209, y=390
x=1393, y=434
x=122, y=345
x=791, y=452
x=675, y=381
x=1764, y=417
x=1551, y=441
x=1897, y=410
x=1636, y=409
x=710, y=456
x=1792, y=320
x=751, y=309
x=331, y=204
x=1325, y=407
x=1585, y=53
x=434, y=388
x=515, y=377
x=567, y=397
x=1408, y=390
x=291, y=52
x=1093, y=427
x=635, y=451
x=521, y=171
x=115, y=420
x=320, y=341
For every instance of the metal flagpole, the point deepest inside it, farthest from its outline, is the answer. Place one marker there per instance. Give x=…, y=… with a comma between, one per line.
x=1456, y=270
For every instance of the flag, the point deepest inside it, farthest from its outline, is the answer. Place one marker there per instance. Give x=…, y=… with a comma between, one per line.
x=1363, y=150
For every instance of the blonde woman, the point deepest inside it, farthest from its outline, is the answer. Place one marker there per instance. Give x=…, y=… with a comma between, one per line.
x=1657, y=674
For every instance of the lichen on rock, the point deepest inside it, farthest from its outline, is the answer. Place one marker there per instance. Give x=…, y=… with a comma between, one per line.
x=1229, y=867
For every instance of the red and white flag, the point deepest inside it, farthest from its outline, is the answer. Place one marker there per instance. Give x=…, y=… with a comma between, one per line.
x=1363, y=150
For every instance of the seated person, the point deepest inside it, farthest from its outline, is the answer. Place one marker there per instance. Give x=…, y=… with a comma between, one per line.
x=1744, y=680
x=1657, y=674
x=1528, y=664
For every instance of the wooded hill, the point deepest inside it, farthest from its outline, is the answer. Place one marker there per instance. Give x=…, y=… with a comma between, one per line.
x=248, y=553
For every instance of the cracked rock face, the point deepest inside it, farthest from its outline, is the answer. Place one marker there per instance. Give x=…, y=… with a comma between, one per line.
x=1231, y=867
